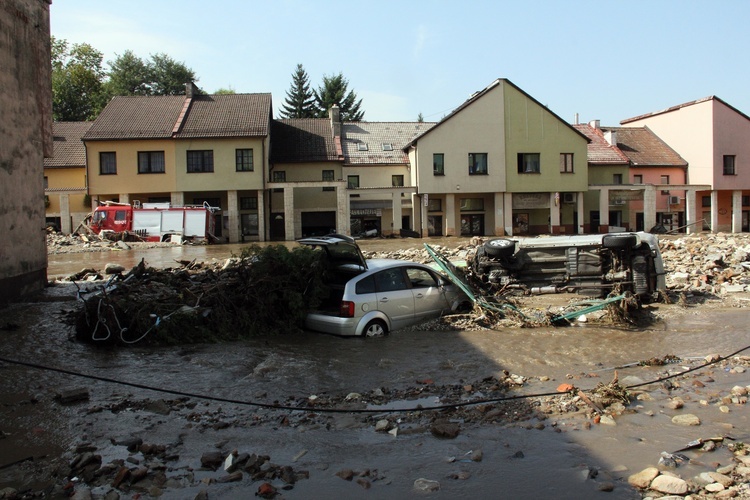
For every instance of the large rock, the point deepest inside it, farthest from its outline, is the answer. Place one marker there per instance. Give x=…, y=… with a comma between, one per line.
x=643, y=479
x=445, y=429
x=686, y=419
x=669, y=484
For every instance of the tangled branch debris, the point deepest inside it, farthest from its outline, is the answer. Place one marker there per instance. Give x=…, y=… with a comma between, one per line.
x=265, y=290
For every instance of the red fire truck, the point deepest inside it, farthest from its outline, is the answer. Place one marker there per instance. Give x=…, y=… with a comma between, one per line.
x=156, y=221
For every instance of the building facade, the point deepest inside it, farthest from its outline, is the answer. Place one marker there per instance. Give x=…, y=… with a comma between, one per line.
x=25, y=140
x=712, y=137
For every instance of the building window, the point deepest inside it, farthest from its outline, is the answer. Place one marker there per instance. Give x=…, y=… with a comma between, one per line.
x=279, y=176
x=352, y=181
x=529, y=163
x=328, y=176
x=477, y=163
x=387, y=146
x=438, y=164
x=200, y=161
x=46, y=182
x=434, y=205
x=107, y=163
x=397, y=180
x=244, y=160
x=472, y=204
x=616, y=178
x=150, y=162
x=705, y=201
x=362, y=146
x=729, y=165
x=664, y=180
x=745, y=201
x=566, y=163
x=249, y=203
x=638, y=179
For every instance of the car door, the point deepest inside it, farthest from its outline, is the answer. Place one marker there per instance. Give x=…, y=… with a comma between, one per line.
x=395, y=298
x=429, y=297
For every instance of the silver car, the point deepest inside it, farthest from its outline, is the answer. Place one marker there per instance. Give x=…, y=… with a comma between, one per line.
x=371, y=297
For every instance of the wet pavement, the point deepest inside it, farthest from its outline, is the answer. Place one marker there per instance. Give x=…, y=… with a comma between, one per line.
x=559, y=456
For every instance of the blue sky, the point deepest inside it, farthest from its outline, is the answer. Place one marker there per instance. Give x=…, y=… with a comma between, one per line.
x=603, y=60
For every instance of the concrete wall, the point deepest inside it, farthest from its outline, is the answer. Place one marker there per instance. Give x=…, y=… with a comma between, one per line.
x=25, y=139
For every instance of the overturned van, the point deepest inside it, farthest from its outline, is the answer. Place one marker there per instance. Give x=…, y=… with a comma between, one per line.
x=593, y=265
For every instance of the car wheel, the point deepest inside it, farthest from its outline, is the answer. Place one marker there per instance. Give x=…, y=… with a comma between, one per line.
x=619, y=241
x=500, y=247
x=375, y=328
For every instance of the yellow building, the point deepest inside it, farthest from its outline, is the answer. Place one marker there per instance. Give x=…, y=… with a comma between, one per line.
x=65, y=177
x=185, y=150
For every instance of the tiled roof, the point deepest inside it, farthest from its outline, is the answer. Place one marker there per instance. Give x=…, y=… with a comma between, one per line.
x=599, y=151
x=156, y=117
x=375, y=135
x=685, y=105
x=137, y=117
x=231, y=115
x=68, y=149
x=303, y=139
x=645, y=149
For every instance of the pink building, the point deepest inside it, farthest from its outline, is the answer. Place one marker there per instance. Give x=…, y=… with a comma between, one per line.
x=714, y=138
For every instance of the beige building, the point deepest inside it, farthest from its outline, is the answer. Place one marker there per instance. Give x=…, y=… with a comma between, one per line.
x=65, y=193
x=25, y=140
x=500, y=164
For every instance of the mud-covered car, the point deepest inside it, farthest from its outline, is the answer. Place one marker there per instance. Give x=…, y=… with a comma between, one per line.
x=593, y=265
x=371, y=297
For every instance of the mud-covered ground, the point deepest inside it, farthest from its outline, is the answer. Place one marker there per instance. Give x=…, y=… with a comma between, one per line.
x=592, y=410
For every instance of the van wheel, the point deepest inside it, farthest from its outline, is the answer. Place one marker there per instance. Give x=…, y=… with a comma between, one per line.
x=500, y=247
x=619, y=241
x=375, y=328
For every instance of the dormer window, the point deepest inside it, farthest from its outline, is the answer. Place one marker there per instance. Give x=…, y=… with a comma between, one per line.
x=362, y=146
x=387, y=146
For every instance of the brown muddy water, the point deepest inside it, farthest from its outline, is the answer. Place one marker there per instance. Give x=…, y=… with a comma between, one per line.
x=551, y=460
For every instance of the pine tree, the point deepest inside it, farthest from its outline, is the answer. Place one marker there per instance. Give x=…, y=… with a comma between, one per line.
x=300, y=101
x=334, y=91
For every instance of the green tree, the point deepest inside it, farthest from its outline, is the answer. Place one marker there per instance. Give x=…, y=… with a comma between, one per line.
x=300, y=100
x=128, y=75
x=168, y=77
x=223, y=91
x=334, y=91
x=420, y=117
x=77, y=77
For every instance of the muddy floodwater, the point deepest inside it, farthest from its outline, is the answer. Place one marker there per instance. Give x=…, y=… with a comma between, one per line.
x=557, y=457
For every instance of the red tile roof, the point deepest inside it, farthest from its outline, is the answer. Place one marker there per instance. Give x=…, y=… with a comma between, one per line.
x=67, y=148
x=599, y=151
x=645, y=149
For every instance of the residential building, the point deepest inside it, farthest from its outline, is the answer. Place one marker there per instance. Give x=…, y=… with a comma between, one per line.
x=382, y=195
x=653, y=163
x=712, y=136
x=65, y=193
x=306, y=190
x=500, y=164
x=25, y=140
x=608, y=171
x=186, y=150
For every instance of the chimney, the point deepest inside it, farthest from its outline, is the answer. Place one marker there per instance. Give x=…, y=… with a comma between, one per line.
x=576, y=119
x=611, y=137
x=335, y=114
x=189, y=90
x=596, y=124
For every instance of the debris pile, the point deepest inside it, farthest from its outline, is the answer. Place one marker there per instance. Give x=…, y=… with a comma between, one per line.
x=266, y=290
x=710, y=264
